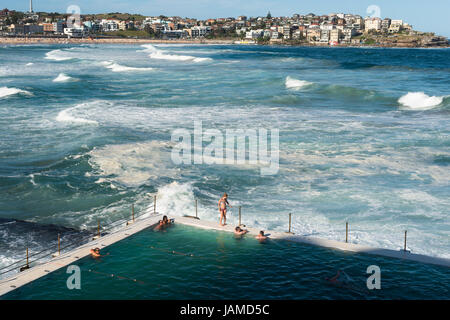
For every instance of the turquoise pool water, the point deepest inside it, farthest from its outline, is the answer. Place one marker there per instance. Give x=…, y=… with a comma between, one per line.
x=187, y=263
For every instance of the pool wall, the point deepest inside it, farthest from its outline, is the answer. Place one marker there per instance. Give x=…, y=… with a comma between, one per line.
x=333, y=244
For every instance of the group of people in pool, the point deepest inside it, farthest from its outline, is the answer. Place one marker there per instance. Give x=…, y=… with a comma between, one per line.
x=238, y=231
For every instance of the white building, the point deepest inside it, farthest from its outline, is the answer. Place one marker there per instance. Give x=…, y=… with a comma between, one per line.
x=254, y=34
x=324, y=36
x=200, y=31
x=372, y=24
x=335, y=35
x=396, y=26
x=74, y=32
x=109, y=25
x=348, y=34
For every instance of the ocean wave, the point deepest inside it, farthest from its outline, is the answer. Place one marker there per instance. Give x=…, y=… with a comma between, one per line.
x=5, y=92
x=63, y=78
x=115, y=67
x=295, y=84
x=57, y=55
x=420, y=101
x=353, y=93
x=66, y=115
x=161, y=55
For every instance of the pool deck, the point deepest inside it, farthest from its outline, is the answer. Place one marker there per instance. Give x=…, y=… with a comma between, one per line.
x=332, y=244
x=65, y=259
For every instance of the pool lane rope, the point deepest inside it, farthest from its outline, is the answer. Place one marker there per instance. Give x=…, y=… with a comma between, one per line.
x=119, y=277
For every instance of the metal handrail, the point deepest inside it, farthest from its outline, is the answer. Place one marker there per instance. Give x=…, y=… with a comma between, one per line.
x=86, y=239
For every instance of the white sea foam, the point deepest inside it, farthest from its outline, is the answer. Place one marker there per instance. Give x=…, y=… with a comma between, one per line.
x=295, y=84
x=419, y=101
x=5, y=92
x=57, y=55
x=29, y=64
x=133, y=164
x=161, y=55
x=115, y=67
x=63, y=78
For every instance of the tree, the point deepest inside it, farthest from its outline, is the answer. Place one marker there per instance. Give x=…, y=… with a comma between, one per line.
x=149, y=30
x=16, y=16
x=269, y=16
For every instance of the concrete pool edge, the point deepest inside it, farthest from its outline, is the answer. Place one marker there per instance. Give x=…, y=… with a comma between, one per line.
x=20, y=279
x=332, y=244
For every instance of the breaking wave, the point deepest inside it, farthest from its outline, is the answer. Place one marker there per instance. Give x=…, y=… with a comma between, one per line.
x=5, y=92
x=63, y=78
x=115, y=67
x=161, y=55
x=66, y=115
x=295, y=84
x=419, y=101
x=57, y=55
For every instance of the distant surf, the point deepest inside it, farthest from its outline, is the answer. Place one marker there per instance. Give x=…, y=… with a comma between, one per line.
x=5, y=92
x=295, y=84
x=420, y=101
x=66, y=115
x=115, y=67
x=62, y=77
x=161, y=55
x=57, y=55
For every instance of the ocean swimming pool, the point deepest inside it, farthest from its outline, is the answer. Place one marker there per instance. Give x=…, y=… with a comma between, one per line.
x=184, y=262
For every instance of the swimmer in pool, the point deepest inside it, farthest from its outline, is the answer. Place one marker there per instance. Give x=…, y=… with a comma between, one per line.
x=160, y=225
x=167, y=221
x=223, y=203
x=341, y=278
x=95, y=253
x=239, y=232
x=261, y=236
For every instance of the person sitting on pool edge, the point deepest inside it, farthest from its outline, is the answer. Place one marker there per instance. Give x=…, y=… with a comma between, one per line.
x=239, y=232
x=261, y=236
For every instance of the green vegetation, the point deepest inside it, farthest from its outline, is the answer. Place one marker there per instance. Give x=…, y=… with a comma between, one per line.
x=370, y=41
x=222, y=34
x=116, y=15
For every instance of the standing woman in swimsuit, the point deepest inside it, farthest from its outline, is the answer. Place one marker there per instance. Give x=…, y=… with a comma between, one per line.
x=223, y=203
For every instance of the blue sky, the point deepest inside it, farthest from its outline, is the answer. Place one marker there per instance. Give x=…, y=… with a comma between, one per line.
x=423, y=15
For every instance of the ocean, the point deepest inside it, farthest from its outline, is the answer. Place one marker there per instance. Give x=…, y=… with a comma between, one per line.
x=364, y=137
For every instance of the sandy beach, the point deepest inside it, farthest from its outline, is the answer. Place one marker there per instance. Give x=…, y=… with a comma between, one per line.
x=34, y=40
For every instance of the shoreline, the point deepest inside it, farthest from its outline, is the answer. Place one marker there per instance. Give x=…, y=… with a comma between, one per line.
x=42, y=40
